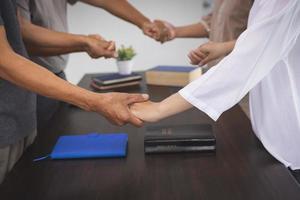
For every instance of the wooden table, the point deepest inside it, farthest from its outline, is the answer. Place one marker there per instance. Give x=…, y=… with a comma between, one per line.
x=241, y=169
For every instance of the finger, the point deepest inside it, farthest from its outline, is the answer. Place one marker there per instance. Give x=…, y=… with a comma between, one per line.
x=206, y=60
x=192, y=61
x=196, y=56
x=200, y=54
x=137, y=98
x=164, y=36
x=169, y=28
x=135, y=121
x=163, y=31
x=150, y=30
x=109, y=54
x=195, y=59
x=112, y=46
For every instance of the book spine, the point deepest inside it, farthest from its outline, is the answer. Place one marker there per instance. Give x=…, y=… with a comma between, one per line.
x=178, y=149
x=202, y=142
x=167, y=78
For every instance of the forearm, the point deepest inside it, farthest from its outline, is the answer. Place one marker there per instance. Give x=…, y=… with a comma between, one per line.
x=44, y=51
x=30, y=76
x=122, y=9
x=229, y=46
x=173, y=105
x=35, y=36
x=191, y=31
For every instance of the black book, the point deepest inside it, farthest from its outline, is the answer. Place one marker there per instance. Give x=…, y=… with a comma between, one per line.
x=115, y=78
x=179, y=138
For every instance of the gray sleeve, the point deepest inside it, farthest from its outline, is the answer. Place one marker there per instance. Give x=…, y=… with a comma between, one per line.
x=24, y=8
x=1, y=20
x=72, y=2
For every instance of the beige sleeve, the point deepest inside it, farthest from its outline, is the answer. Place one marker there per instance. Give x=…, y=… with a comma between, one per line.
x=206, y=21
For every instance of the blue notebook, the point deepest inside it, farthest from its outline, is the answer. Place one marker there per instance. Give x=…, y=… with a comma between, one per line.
x=92, y=145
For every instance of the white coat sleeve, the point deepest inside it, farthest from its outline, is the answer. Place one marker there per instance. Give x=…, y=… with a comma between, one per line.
x=257, y=51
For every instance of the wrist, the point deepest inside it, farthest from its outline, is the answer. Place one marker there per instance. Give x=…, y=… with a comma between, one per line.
x=161, y=110
x=141, y=23
x=88, y=101
x=83, y=43
x=228, y=47
x=178, y=32
x=95, y=102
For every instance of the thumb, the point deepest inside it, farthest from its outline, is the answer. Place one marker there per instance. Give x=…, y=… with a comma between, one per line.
x=112, y=46
x=109, y=54
x=137, y=98
x=204, y=49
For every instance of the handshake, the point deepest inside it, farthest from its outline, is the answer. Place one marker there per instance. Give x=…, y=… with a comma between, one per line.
x=159, y=30
x=96, y=46
x=123, y=108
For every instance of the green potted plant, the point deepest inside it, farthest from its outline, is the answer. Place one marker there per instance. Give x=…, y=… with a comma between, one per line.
x=124, y=60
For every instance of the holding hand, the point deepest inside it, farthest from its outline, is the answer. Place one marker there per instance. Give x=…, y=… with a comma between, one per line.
x=210, y=51
x=115, y=107
x=168, y=30
x=147, y=111
x=97, y=47
x=151, y=30
x=157, y=30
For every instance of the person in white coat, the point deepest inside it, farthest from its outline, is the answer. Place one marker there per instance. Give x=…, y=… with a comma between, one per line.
x=265, y=62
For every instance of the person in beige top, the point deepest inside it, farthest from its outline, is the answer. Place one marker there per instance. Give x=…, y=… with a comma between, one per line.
x=222, y=27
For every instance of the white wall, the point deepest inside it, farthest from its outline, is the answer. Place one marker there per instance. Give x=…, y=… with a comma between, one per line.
x=86, y=20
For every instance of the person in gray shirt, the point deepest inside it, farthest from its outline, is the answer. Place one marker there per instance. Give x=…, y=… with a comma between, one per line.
x=20, y=79
x=52, y=15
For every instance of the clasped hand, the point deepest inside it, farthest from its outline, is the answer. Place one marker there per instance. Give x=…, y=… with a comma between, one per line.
x=159, y=30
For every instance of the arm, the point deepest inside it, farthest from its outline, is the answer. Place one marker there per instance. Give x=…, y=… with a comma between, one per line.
x=24, y=73
x=265, y=44
x=197, y=30
x=153, y=112
x=40, y=41
x=122, y=9
x=170, y=32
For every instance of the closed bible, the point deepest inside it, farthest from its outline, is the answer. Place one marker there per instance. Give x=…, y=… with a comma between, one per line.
x=179, y=138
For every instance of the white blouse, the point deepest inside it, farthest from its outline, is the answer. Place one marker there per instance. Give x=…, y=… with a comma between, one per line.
x=266, y=62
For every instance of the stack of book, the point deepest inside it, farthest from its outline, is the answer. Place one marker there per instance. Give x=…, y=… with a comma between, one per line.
x=172, y=75
x=112, y=81
x=179, y=138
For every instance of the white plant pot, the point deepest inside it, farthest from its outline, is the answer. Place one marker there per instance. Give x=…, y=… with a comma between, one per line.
x=125, y=67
